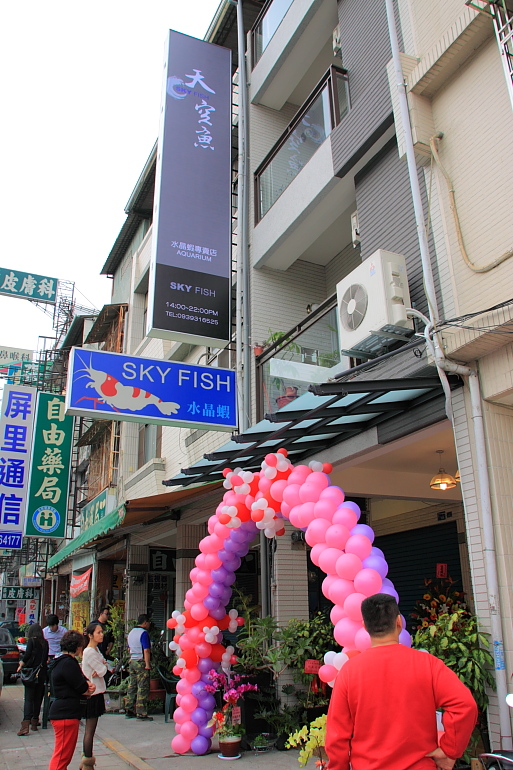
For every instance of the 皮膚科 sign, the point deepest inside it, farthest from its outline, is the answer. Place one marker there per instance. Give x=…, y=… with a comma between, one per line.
x=38, y=288
x=16, y=424
x=115, y=386
x=50, y=466
x=189, y=295
x=18, y=592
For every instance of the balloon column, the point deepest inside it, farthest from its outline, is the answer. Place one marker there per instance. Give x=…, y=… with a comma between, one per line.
x=340, y=547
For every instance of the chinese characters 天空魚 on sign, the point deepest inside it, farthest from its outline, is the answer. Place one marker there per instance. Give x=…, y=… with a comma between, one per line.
x=189, y=295
x=113, y=386
x=38, y=288
x=51, y=455
x=16, y=423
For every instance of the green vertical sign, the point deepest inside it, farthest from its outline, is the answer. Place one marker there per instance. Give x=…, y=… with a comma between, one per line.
x=50, y=468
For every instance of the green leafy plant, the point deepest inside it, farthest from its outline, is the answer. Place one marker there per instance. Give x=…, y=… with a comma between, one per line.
x=155, y=706
x=310, y=740
x=116, y=624
x=455, y=638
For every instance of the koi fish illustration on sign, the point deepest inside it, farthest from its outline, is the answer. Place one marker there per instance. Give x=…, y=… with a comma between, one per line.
x=120, y=397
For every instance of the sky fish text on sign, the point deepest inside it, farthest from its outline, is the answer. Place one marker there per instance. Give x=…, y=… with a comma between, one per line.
x=115, y=386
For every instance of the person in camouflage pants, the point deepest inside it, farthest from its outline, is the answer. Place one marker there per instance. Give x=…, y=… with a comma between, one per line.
x=139, y=683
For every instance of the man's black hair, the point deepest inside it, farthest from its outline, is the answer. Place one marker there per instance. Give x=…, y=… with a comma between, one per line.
x=379, y=614
x=72, y=641
x=52, y=620
x=104, y=609
x=143, y=618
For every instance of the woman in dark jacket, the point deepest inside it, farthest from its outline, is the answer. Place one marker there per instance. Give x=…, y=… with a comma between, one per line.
x=35, y=656
x=69, y=686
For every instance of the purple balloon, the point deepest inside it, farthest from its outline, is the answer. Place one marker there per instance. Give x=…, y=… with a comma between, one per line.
x=206, y=702
x=388, y=582
x=204, y=665
x=249, y=527
x=199, y=716
x=206, y=732
x=219, y=574
x=353, y=506
x=364, y=529
x=239, y=536
x=216, y=590
x=232, y=564
x=226, y=596
x=200, y=744
x=224, y=555
x=230, y=578
x=405, y=638
x=377, y=563
x=211, y=602
x=390, y=592
x=375, y=551
x=219, y=613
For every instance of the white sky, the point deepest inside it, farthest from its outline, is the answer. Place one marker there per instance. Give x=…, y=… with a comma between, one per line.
x=80, y=88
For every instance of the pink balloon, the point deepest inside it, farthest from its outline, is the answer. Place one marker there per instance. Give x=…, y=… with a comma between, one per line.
x=320, y=479
x=199, y=561
x=199, y=611
x=337, y=613
x=189, y=703
x=368, y=582
x=405, y=638
x=306, y=514
x=328, y=560
x=354, y=507
x=335, y=494
x=360, y=545
x=285, y=509
x=211, y=524
x=345, y=632
x=277, y=489
x=299, y=474
x=295, y=517
x=353, y=606
x=291, y=495
x=187, y=604
x=362, y=640
x=207, y=546
x=327, y=673
x=345, y=516
x=327, y=583
x=264, y=484
x=316, y=552
x=221, y=530
x=337, y=536
x=340, y=590
x=348, y=566
x=189, y=730
x=185, y=642
x=192, y=674
x=193, y=574
x=180, y=745
x=325, y=509
x=203, y=576
x=183, y=687
x=199, y=591
x=316, y=531
x=212, y=561
x=180, y=716
x=309, y=493
x=178, y=699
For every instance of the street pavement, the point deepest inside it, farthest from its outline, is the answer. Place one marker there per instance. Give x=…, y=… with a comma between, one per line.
x=119, y=744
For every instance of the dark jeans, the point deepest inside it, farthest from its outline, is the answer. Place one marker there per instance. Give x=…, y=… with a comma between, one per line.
x=34, y=694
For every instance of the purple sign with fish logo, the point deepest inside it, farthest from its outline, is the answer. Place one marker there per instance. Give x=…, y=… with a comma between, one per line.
x=114, y=386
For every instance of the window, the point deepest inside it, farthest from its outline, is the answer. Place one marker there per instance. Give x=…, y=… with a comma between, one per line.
x=149, y=444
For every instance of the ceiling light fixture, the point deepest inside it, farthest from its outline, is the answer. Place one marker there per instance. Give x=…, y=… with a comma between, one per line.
x=457, y=476
x=442, y=480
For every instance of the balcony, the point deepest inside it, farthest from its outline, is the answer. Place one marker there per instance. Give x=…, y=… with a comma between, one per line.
x=308, y=354
x=291, y=45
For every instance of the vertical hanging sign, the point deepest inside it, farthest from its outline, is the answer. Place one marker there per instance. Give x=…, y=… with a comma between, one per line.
x=190, y=278
x=50, y=468
x=16, y=423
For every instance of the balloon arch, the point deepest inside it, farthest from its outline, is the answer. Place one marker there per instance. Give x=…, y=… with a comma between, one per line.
x=341, y=547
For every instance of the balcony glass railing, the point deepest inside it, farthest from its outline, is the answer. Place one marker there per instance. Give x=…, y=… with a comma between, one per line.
x=267, y=24
x=311, y=356
x=323, y=110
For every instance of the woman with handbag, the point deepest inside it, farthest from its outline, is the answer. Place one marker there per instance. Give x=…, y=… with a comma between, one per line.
x=33, y=669
x=94, y=668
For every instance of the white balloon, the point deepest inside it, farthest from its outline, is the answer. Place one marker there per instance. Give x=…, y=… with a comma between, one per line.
x=181, y=619
x=328, y=658
x=509, y=700
x=180, y=630
x=261, y=525
x=173, y=646
x=270, y=473
x=332, y=683
x=236, y=523
x=262, y=503
x=233, y=614
x=339, y=660
x=315, y=465
x=181, y=663
x=214, y=630
x=176, y=614
x=232, y=627
x=269, y=533
x=227, y=484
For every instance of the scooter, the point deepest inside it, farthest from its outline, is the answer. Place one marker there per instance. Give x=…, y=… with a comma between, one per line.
x=501, y=759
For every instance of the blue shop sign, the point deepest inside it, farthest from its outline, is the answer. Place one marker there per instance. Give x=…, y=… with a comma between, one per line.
x=114, y=386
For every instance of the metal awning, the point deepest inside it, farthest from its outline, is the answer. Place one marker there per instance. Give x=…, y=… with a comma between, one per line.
x=101, y=326
x=99, y=528
x=326, y=415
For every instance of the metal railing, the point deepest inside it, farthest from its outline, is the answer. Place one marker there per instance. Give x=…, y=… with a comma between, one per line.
x=266, y=24
x=322, y=111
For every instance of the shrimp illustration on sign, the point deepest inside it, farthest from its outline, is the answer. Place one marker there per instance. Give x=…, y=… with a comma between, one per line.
x=120, y=397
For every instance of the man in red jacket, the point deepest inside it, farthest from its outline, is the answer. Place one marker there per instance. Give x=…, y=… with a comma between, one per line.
x=382, y=710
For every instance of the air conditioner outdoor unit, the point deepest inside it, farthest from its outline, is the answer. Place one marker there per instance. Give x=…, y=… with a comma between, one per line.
x=12, y=602
x=372, y=302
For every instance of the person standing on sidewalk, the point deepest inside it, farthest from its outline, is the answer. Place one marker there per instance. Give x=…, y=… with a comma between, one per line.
x=94, y=668
x=108, y=638
x=139, y=684
x=69, y=687
x=382, y=712
x=34, y=657
x=53, y=634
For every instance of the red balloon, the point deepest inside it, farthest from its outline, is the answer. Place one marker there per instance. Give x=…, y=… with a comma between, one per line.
x=217, y=652
x=190, y=657
x=240, y=621
x=171, y=623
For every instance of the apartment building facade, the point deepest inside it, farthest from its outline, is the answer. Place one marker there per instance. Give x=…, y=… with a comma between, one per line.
x=331, y=194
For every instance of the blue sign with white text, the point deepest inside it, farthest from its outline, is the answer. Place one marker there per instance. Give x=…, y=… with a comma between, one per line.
x=114, y=386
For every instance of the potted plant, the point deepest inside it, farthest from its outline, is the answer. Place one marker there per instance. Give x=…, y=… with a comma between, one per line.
x=440, y=597
x=226, y=722
x=310, y=740
x=262, y=742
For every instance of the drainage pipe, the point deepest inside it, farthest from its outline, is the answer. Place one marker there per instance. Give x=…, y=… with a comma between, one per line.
x=445, y=365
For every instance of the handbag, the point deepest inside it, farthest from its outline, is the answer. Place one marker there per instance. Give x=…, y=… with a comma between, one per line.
x=30, y=675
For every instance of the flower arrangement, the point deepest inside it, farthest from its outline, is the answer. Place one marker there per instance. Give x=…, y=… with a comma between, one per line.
x=232, y=688
x=311, y=739
x=439, y=598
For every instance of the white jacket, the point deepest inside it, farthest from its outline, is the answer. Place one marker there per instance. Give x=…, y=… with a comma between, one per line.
x=93, y=660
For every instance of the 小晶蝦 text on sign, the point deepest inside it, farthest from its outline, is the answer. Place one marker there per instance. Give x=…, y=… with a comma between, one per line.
x=115, y=386
x=16, y=425
x=50, y=468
